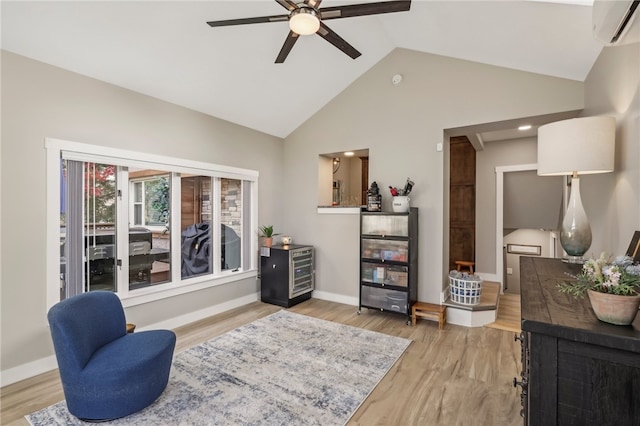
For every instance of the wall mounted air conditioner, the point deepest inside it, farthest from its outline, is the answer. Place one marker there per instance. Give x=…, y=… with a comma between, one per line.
x=613, y=19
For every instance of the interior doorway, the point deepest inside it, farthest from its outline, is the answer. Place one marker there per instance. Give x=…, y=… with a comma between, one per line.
x=524, y=242
x=528, y=211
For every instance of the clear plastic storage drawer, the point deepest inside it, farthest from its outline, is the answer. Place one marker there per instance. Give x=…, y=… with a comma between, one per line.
x=385, y=225
x=385, y=274
x=385, y=250
x=390, y=300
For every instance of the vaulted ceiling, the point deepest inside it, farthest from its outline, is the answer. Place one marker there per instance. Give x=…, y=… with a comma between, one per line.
x=166, y=50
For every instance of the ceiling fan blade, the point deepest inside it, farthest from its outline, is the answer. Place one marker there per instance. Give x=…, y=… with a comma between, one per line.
x=242, y=21
x=287, y=46
x=365, y=9
x=313, y=3
x=333, y=38
x=289, y=5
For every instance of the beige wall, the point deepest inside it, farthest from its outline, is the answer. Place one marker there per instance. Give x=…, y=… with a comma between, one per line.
x=41, y=101
x=401, y=126
x=532, y=201
x=612, y=201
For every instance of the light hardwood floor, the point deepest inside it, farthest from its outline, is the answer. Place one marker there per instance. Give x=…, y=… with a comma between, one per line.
x=457, y=376
x=508, y=316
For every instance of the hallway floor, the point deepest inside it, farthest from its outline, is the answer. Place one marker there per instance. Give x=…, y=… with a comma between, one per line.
x=508, y=317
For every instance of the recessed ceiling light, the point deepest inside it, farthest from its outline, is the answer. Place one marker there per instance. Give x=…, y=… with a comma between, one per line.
x=348, y=154
x=524, y=127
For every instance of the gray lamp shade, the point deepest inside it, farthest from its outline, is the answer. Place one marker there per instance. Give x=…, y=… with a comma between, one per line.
x=585, y=145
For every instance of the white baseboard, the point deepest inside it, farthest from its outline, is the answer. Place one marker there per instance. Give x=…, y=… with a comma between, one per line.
x=338, y=298
x=202, y=313
x=43, y=365
x=25, y=371
x=470, y=318
x=488, y=277
x=455, y=316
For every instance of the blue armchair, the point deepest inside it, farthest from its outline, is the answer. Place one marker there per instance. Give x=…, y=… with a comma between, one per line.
x=107, y=373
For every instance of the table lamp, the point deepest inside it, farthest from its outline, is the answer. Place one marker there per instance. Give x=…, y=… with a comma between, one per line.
x=577, y=146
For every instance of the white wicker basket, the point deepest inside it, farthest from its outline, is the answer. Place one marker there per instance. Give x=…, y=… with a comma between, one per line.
x=465, y=292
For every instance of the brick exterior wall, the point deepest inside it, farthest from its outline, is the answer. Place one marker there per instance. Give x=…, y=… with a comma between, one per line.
x=231, y=204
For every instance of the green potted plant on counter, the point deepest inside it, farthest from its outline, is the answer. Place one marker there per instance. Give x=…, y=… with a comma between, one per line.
x=613, y=287
x=266, y=231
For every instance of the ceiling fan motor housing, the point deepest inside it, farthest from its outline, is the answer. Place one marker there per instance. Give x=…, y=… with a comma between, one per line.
x=304, y=20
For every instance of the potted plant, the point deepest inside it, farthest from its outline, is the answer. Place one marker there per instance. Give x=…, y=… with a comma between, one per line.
x=613, y=287
x=266, y=231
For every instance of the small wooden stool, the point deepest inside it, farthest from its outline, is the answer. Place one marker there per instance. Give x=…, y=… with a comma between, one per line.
x=465, y=264
x=429, y=310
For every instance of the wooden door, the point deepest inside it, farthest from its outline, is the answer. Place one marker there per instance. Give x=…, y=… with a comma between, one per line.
x=462, y=201
x=364, y=181
x=190, y=205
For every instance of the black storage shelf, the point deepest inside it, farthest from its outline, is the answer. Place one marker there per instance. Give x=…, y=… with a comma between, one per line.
x=389, y=261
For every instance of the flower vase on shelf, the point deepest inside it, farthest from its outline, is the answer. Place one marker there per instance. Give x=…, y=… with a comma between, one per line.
x=613, y=287
x=614, y=309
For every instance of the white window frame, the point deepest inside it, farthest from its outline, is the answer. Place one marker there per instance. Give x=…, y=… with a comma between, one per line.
x=133, y=203
x=57, y=148
x=143, y=203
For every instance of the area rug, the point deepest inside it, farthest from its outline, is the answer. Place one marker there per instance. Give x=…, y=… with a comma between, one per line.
x=283, y=369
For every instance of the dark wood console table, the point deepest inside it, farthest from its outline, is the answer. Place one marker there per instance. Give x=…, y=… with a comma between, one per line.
x=577, y=370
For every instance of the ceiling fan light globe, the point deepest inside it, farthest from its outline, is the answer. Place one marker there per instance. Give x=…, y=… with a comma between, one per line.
x=304, y=21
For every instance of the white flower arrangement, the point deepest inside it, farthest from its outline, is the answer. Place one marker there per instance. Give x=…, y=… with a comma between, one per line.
x=619, y=276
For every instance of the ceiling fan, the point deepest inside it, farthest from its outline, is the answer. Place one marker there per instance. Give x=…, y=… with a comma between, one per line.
x=307, y=18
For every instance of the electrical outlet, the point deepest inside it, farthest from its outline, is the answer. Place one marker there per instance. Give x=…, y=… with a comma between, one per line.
x=509, y=271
